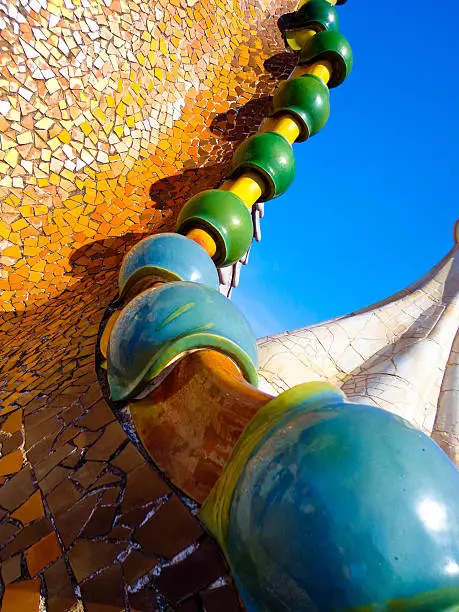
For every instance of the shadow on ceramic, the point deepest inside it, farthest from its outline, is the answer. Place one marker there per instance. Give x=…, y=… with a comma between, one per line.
x=237, y=124
x=171, y=192
x=100, y=255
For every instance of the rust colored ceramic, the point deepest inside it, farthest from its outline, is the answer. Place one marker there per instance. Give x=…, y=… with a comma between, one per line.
x=190, y=424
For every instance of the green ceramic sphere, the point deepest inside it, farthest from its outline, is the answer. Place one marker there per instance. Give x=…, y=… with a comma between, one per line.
x=318, y=15
x=271, y=156
x=333, y=47
x=225, y=217
x=307, y=98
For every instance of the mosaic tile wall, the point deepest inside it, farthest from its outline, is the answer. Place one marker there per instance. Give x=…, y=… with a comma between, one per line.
x=112, y=114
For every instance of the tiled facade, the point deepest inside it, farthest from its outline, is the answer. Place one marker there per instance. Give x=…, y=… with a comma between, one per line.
x=112, y=114
x=399, y=354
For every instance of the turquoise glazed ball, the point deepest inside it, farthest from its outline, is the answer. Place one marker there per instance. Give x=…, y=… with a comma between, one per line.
x=163, y=323
x=343, y=508
x=169, y=257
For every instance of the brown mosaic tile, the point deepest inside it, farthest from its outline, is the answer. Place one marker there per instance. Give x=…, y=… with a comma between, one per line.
x=108, y=443
x=128, y=459
x=88, y=473
x=30, y=510
x=52, y=479
x=135, y=517
x=197, y=571
x=86, y=439
x=39, y=450
x=43, y=553
x=12, y=443
x=106, y=479
x=43, y=468
x=71, y=414
x=26, y=538
x=115, y=116
x=110, y=496
x=143, y=486
x=169, y=530
x=79, y=171
x=11, y=569
x=136, y=566
x=105, y=591
x=143, y=601
x=97, y=417
x=41, y=413
x=62, y=497
x=120, y=532
x=100, y=523
x=87, y=557
x=43, y=429
x=71, y=522
x=17, y=490
x=7, y=531
x=61, y=596
x=71, y=461
x=66, y=435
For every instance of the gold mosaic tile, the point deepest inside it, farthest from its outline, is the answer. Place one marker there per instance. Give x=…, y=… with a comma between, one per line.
x=112, y=114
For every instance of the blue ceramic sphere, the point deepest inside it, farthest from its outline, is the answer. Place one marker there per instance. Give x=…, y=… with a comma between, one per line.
x=163, y=323
x=346, y=507
x=169, y=257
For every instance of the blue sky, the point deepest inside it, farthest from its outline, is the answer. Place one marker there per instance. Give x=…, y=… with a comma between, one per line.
x=375, y=196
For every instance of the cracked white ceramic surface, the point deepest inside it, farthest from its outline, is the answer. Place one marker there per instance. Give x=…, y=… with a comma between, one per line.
x=401, y=354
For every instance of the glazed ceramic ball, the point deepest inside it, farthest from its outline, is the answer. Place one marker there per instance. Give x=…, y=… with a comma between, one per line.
x=345, y=507
x=162, y=324
x=169, y=257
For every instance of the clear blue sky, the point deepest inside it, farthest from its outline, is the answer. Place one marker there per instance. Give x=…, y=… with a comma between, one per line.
x=375, y=196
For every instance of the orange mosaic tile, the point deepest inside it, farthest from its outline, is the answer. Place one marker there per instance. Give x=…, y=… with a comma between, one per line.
x=113, y=114
x=11, y=463
x=30, y=510
x=13, y=422
x=43, y=553
x=22, y=596
x=93, y=129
